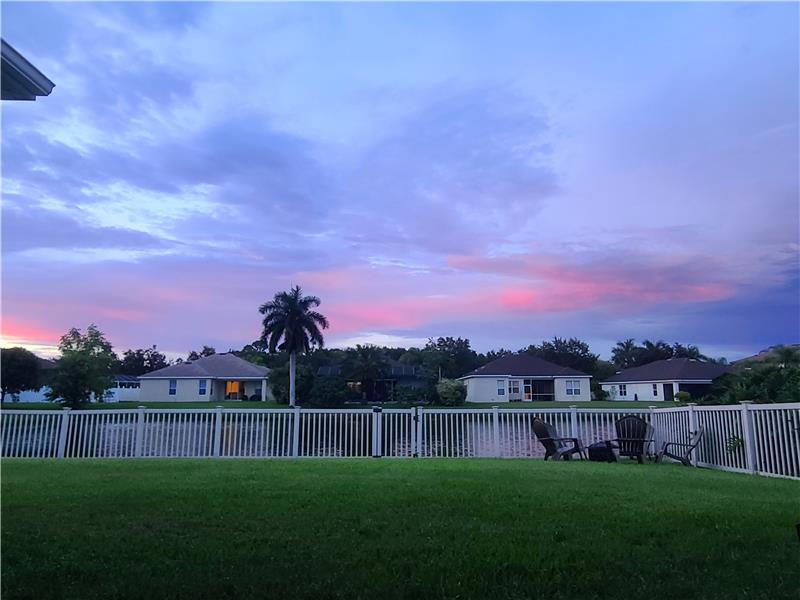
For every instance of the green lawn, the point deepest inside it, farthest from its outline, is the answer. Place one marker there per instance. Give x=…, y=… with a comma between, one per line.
x=478, y=528
x=119, y=405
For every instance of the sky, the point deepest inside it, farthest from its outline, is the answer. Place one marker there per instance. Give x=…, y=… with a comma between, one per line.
x=505, y=172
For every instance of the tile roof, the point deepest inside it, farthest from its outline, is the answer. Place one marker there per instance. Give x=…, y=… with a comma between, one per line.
x=671, y=369
x=216, y=366
x=522, y=365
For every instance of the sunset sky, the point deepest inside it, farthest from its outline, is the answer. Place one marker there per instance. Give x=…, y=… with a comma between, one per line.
x=505, y=173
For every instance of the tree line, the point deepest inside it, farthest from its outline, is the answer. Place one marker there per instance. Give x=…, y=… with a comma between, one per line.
x=291, y=344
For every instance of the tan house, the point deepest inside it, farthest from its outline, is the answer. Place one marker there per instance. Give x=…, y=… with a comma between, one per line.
x=209, y=379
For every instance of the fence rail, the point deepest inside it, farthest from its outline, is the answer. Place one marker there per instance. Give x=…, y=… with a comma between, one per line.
x=749, y=438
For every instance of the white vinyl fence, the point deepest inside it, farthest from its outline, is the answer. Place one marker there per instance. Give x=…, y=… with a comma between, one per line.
x=751, y=438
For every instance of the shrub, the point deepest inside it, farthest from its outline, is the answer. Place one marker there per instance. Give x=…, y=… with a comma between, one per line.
x=329, y=391
x=451, y=392
x=683, y=397
x=408, y=394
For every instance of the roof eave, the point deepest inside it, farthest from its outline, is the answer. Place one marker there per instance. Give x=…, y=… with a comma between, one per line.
x=31, y=77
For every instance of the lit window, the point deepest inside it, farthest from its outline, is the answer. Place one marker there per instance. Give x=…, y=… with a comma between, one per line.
x=173, y=387
x=623, y=389
x=573, y=387
x=501, y=387
x=655, y=389
x=202, y=390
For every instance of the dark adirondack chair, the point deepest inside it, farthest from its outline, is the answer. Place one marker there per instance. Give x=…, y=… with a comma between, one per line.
x=554, y=446
x=681, y=452
x=634, y=436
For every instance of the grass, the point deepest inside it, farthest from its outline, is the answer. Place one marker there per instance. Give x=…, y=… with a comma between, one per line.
x=478, y=528
x=129, y=405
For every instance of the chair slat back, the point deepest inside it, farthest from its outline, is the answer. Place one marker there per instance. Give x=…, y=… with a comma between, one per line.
x=546, y=434
x=632, y=433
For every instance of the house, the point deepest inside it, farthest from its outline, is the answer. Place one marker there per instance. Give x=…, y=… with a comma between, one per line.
x=383, y=389
x=20, y=79
x=526, y=378
x=209, y=379
x=662, y=379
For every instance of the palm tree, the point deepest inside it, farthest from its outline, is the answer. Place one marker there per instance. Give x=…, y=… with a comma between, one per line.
x=626, y=354
x=653, y=351
x=289, y=317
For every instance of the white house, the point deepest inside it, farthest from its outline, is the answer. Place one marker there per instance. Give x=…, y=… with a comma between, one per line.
x=662, y=379
x=209, y=379
x=525, y=378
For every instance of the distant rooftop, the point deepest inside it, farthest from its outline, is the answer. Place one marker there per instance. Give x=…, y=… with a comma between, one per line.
x=524, y=365
x=671, y=369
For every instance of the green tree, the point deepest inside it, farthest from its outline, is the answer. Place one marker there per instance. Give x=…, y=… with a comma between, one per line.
x=278, y=380
x=653, y=351
x=787, y=356
x=454, y=356
x=19, y=370
x=366, y=364
x=572, y=353
x=84, y=369
x=626, y=354
x=329, y=391
x=141, y=361
x=690, y=351
x=602, y=371
x=291, y=325
x=451, y=392
x=206, y=351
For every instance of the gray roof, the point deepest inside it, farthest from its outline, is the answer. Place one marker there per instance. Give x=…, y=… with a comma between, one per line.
x=524, y=365
x=671, y=369
x=216, y=366
x=20, y=79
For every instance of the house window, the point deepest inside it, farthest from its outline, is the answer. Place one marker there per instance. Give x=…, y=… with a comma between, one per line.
x=655, y=389
x=501, y=387
x=173, y=387
x=573, y=387
x=623, y=389
x=513, y=387
x=202, y=390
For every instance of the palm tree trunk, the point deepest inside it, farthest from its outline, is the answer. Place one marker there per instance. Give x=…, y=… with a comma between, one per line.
x=292, y=365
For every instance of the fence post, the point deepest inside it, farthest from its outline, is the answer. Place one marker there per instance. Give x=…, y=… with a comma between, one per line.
x=296, y=432
x=496, y=430
x=377, y=431
x=217, y=445
x=139, y=440
x=413, y=432
x=573, y=421
x=692, y=429
x=420, y=418
x=656, y=433
x=62, y=433
x=748, y=433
